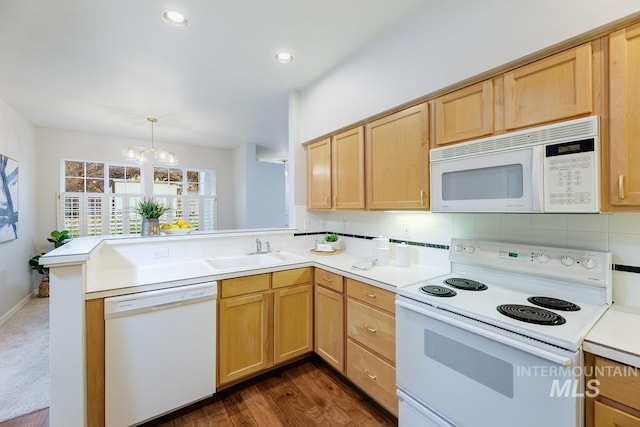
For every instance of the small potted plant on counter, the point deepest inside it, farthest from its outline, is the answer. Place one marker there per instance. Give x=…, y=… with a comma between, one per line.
x=150, y=210
x=332, y=239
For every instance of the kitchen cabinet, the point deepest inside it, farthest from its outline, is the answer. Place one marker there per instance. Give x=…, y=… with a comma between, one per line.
x=464, y=114
x=617, y=393
x=335, y=172
x=347, y=169
x=397, y=160
x=264, y=320
x=624, y=118
x=371, y=342
x=329, y=317
x=319, y=175
x=292, y=314
x=551, y=89
x=95, y=361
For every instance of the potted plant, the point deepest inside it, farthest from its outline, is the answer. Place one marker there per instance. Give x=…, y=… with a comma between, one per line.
x=150, y=210
x=332, y=239
x=58, y=238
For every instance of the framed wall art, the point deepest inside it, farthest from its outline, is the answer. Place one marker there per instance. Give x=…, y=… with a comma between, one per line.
x=8, y=199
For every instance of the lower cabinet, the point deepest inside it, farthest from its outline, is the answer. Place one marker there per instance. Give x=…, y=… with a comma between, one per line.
x=613, y=393
x=371, y=342
x=264, y=320
x=329, y=317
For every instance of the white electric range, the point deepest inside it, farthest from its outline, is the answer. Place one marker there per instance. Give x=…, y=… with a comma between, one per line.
x=503, y=329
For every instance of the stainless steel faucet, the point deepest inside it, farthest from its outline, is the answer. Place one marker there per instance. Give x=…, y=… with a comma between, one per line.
x=258, y=246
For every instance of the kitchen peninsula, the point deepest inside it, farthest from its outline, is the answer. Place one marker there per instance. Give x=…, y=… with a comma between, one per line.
x=88, y=270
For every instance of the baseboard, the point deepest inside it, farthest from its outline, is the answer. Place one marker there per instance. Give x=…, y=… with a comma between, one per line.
x=17, y=307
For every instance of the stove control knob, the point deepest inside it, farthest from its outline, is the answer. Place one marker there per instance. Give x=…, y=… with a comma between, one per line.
x=469, y=249
x=458, y=247
x=588, y=263
x=567, y=261
x=542, y=258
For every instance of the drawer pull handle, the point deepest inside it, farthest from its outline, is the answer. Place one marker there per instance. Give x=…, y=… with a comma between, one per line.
x=370, y=375
x=621, y=194
x=370, y=295
x=422, y=198
x=327, y=279
x=370, y=329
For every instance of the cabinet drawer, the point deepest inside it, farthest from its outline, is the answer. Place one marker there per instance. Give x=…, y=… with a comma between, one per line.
x=607, y=416
x=297, y=276
x=617, y=382
x=372, y=328
x=372, y=295
x=244, y=285
x=329, y=280
x=373, y=375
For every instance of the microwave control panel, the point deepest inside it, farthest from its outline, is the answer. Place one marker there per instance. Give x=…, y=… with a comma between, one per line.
x=571, y=177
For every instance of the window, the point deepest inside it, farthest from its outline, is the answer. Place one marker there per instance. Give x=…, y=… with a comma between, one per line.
x=98, y=198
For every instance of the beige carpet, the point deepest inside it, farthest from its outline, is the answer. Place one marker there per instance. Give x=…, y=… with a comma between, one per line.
x=24, y=360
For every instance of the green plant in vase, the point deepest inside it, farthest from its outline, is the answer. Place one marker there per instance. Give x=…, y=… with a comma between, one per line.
x=150, y=210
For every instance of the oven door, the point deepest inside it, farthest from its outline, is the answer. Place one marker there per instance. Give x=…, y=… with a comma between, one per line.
x=473, y=376
x=509, y=181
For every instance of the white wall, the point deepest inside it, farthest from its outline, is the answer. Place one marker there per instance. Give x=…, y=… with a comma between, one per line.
x=260, y=190
x=440, y=44
x=17, y=142
x=56, y=144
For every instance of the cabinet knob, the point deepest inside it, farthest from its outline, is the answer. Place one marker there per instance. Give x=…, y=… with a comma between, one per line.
x=370, y=375
x=370, y=329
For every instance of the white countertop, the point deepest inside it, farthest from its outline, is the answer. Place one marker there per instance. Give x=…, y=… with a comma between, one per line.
x=616, y=336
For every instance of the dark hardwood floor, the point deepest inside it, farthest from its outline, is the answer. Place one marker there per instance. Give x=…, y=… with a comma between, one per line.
x=307, y=393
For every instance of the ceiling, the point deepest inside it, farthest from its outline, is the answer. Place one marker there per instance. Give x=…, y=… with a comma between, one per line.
x=104, y=66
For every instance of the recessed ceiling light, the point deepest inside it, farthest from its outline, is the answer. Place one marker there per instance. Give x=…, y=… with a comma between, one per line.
x=174, y=18
x=284, y=57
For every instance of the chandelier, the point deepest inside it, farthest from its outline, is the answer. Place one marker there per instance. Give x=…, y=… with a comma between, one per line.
x=142, y=155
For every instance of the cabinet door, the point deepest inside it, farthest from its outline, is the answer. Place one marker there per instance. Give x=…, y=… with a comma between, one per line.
x=554, y=88
x=319, y=175
x=329, y=326
x=243, y=336
x=464, y=114
x=397, y=160
x=347, y=155
x=606, y=416
x=293, y=322
x=624, y=93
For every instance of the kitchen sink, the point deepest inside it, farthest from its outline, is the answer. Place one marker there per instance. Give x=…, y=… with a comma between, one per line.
x=234, y=262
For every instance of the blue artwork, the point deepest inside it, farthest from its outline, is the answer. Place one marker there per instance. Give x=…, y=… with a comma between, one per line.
x=8, y=199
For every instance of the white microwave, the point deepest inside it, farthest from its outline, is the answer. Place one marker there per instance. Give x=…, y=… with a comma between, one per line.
x=553, y=168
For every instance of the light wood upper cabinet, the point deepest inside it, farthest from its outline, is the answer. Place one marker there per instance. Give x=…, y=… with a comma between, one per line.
x=624, y=113
x=555, y=88
x=319, y=175
x=397, y=160
x=464, y=114
x=347, y=168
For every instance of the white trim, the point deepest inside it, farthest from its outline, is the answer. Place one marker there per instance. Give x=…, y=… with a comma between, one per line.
x=17, y=307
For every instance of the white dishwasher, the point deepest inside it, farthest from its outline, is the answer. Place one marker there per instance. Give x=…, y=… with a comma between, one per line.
x=160, y=352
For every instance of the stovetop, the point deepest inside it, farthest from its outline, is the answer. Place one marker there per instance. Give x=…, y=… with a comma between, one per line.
x=508, y=270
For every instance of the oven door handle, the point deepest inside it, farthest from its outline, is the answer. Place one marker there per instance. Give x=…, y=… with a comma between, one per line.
x=552, y=357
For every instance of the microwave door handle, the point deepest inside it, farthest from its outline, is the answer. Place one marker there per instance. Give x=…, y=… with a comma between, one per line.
x=537, y=184
x=527, y=348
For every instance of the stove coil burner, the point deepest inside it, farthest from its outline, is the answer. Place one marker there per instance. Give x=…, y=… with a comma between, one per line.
x=554, y=303
x=530, y=314
x=466, y=284
x=438, y=291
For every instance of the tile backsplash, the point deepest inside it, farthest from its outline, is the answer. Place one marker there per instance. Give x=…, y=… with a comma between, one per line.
x=617, y=233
